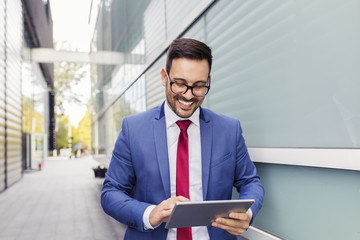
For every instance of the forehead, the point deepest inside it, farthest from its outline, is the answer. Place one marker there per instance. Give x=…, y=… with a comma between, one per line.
x=190, y=69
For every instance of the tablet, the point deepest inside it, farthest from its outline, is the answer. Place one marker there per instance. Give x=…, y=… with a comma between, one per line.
x=190, y=214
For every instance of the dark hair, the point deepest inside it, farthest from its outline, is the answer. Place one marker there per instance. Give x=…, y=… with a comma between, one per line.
x=188, y=48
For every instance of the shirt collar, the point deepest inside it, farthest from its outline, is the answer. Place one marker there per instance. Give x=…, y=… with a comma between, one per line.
x=171, y=117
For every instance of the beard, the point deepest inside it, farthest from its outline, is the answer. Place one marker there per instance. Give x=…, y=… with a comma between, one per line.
x=183, y=112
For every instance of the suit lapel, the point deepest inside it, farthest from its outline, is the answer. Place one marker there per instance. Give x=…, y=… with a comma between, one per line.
x=161, y=149
x=206, y=146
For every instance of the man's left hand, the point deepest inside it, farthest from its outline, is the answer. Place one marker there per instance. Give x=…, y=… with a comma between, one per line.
x=236, y=224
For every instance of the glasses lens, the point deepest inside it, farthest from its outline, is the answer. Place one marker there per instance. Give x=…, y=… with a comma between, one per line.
x=200, y=91
x=180, y=88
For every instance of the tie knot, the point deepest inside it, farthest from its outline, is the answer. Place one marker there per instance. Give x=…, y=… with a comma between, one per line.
x=183, y=125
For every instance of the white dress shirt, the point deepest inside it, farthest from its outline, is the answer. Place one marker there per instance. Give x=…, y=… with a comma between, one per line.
x=195, y=179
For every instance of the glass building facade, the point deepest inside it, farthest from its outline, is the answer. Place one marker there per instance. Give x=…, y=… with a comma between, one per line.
x=288, y=70
x=24, y=88
x=35, y=115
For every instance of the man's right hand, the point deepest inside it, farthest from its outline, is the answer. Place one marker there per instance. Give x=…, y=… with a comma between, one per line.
x=162, y=211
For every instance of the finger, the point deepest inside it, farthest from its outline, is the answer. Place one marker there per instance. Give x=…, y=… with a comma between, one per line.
x=244, y=224
x=169, y=203
x=166, y=218
x=234, y=223
x=159, y=215
x=165, y=208
x=233, y=226
x=181, y=199
x=162, y=211
x=165, y=215
x=239, y=216
x=231, y=230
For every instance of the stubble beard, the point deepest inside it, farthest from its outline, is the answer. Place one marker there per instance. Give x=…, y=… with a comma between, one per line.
x=174, y=105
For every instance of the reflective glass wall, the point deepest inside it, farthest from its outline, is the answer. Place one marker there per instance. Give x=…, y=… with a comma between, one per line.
x=288, y=70
x=117, y=88
x=35, y=119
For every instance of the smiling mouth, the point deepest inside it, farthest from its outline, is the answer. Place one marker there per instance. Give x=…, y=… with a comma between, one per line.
x=186, y=103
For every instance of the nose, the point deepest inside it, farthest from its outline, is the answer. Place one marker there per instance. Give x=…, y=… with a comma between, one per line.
x=188, y=95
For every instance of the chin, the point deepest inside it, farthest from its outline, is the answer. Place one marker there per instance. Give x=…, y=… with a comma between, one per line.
x=183, y=114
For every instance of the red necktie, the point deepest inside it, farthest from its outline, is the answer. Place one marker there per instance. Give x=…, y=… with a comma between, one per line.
x=182, y=172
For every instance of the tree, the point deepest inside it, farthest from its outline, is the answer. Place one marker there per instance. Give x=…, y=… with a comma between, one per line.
x=75, y=134
x=82, y=134
x=84, y=128
x=62, y=132
x=66, y=75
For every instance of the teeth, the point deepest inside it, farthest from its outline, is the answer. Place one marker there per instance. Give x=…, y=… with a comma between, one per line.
x=185, y=103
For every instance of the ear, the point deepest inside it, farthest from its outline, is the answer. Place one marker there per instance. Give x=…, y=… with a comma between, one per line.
x=209, y=79
x=163, y=77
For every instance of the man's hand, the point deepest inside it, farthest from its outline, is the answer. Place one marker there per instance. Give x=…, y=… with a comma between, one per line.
x=237, y=223
x=162, y=211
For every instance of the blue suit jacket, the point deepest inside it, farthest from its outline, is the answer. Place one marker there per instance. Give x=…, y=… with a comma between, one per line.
x=138, y=174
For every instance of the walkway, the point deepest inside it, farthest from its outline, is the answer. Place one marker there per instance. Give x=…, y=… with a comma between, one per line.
x=60, y=202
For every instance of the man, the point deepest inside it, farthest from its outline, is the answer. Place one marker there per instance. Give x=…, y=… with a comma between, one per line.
x=155, y=164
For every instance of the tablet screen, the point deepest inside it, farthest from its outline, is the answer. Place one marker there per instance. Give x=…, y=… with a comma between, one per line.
x=189, y=214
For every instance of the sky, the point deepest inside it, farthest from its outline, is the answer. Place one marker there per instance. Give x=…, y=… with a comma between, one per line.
x=71, y=24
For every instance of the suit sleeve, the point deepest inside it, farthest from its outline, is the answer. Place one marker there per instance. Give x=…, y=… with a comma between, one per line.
x=247, y=181
x=119, y=182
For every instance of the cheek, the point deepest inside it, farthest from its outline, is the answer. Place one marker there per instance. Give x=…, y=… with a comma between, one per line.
x=169, y=96
x=200, y=101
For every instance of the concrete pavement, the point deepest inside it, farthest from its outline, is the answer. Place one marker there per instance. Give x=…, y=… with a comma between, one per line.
x=62, y=201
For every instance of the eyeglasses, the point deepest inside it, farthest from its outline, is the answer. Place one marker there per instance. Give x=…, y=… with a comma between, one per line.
x=181, y=88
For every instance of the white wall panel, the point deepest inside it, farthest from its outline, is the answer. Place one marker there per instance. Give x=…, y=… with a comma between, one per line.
x=14, y=39
x=2, y=95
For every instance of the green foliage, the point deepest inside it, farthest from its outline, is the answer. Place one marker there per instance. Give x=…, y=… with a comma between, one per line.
x=83, y=132
x=66, y=75
x=75, y=134
x=62, y=132
x=84, y=128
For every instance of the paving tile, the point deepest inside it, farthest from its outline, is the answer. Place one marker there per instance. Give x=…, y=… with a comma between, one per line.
x=3, y=237
x=60, y=202
x=10, y=232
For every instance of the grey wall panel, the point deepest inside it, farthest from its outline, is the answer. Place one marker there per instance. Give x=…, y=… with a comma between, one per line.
x=295, y=193
x=155, y=92
x=287, y=70
x=197, y=30
x=176, y=14
x=269, y=51
x=154, y=29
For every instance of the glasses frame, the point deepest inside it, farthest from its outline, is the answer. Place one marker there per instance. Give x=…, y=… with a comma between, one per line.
x=187, y=87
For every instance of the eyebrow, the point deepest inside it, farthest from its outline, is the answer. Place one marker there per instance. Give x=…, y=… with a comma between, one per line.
x=182, y=79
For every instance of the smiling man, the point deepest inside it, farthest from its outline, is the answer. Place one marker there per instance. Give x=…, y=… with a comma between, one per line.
x=188, y=86
x=180, y=152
